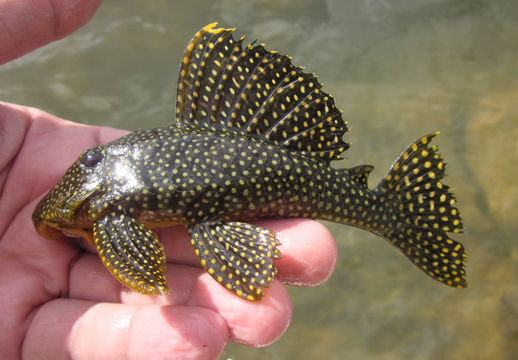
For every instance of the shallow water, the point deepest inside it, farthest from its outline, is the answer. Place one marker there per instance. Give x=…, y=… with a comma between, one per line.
x=399, y=70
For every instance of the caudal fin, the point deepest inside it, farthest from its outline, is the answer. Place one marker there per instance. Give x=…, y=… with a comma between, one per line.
x=421, y=211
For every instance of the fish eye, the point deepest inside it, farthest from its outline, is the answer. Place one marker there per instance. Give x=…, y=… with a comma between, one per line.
x=92, y=157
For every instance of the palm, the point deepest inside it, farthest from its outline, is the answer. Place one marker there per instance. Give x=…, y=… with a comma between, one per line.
x=60, y=301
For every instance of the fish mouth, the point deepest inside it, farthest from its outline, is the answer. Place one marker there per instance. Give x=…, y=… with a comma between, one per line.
x=49, y=230
x=49, y=224
x=57, y=218
x=53, y=231
x=59, y=224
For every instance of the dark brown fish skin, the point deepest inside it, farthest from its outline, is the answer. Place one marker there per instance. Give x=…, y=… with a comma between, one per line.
x=215, y=169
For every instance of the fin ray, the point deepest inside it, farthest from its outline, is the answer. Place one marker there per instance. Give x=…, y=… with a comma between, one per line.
x=423, y=209
x=256, y=92
x=132, y=253
x=237, y=255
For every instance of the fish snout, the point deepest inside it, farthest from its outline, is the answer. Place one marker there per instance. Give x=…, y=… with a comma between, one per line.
x=50, y=217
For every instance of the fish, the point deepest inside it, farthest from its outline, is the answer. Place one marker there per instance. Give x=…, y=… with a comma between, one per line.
x=253, y=137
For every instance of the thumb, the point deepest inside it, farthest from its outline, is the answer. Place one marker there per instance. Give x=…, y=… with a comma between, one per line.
x=28, y=24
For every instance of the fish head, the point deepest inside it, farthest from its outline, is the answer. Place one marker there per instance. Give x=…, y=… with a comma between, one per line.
x=64, y=208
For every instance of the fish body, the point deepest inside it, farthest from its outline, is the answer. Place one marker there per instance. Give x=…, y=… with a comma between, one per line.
x=253, y=137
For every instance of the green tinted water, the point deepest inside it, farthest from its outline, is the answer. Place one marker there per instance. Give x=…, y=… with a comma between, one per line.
x=398, y=69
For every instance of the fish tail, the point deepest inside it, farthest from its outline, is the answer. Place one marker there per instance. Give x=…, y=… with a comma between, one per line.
x=420, y=212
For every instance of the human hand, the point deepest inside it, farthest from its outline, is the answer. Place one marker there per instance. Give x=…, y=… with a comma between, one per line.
x=58, y=299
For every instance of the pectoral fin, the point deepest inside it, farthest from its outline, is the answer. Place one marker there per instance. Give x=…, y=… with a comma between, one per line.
x=132, y=253
x=237, y=255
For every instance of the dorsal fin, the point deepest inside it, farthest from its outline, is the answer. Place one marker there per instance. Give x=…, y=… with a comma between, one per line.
x=258, y=92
